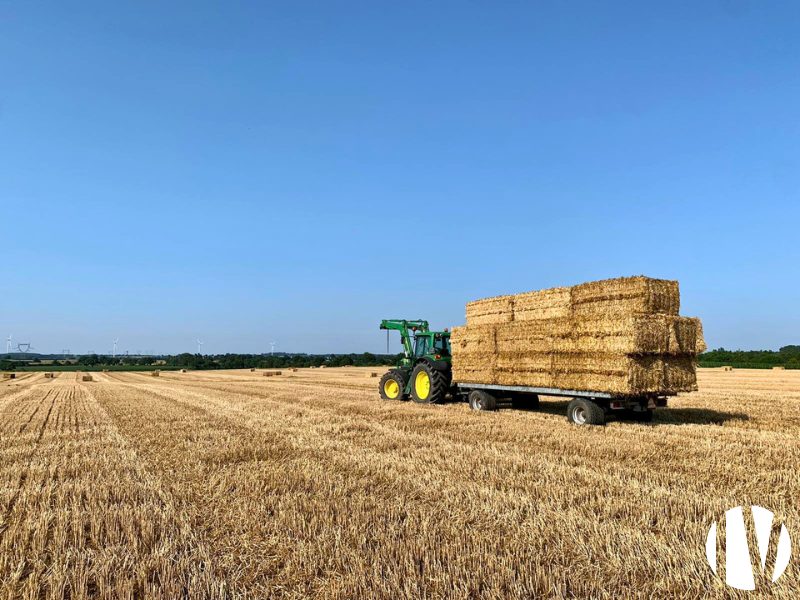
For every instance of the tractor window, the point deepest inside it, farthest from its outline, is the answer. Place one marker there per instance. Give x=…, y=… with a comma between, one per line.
x=442, y=345
x=421, y=349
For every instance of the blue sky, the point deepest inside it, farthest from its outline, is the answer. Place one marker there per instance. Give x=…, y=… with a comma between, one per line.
x=247, y=172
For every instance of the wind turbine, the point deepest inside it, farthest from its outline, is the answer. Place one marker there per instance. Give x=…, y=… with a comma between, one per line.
x=8, y=344
x=200, y=347
x=273, y=347
x=114, y=351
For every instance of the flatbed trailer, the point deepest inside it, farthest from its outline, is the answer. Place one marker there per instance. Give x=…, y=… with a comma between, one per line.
x=585, y=408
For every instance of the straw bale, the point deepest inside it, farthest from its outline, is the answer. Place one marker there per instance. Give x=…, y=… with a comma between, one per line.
x=542, y=304
x=726, y=368
x=499, y=309
x=474, y=375
x=9, y=376
x=252, y=370
x=155, y=373
x=680, y=373
x=87, y=377
x=700, y=345
x=183, y=370
x=294, y=370
x=626, y=296
x=269, y=374
x=612, y=373
x=778, y=368
x=477, y=339
x=368, y=375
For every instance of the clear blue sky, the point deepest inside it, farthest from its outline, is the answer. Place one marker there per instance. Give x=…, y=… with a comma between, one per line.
x=247, y=172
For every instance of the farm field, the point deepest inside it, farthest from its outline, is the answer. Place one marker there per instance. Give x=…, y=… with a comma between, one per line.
x=228, y=484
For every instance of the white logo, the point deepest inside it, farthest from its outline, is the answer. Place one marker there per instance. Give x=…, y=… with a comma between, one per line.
x=738, y=568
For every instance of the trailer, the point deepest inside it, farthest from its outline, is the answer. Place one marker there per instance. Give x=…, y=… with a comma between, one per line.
x=424, y=375
x=585, y=408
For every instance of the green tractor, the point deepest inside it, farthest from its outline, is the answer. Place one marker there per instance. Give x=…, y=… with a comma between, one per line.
x=424, y=373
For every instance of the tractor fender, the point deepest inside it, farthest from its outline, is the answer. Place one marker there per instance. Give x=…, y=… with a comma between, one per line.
x=439, y=365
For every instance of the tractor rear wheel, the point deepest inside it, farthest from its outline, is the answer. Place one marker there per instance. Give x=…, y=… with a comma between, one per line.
x=393, y=385
x=428, y=385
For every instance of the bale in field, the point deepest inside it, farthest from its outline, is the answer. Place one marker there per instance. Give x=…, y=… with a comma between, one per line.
x=9, y=376
x=726, y=368
x=368, y=375
x=183, y=370
x=86, y=377
x=155, y=373
x=294, y=370
x=778, y=368
x=268, y=374
x=323, y=367
x=252, y=370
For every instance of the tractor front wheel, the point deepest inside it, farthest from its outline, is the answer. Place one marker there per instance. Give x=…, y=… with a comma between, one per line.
x=393, y=385
x=428, y=385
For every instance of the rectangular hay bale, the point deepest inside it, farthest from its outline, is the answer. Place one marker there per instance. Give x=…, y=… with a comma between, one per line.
x=626, y=296
x=542, y=304
x=489, y=311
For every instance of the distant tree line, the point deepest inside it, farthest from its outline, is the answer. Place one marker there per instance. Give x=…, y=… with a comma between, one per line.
x=219, y=361
x=788, y=356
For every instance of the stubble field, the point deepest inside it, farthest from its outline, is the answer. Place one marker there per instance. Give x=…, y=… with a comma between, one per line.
x=234, y=485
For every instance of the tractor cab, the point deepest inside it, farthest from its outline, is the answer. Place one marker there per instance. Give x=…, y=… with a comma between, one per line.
x=433, y=344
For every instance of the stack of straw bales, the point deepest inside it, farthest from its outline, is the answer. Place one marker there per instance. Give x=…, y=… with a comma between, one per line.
x=48, y=375
x=622, y=336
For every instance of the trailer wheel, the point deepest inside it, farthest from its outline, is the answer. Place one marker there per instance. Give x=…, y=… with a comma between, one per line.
x=428, y=386
x=480, y=400
x=525, y=401
x=585, y=412
x=393, y=385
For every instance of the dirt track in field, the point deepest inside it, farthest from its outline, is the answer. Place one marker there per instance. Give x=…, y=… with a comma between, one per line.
x=230, y=484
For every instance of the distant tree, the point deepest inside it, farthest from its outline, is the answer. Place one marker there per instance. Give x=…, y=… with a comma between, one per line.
x=790, y=350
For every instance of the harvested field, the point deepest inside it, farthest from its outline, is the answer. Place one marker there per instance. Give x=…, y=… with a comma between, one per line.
x=217, y=484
